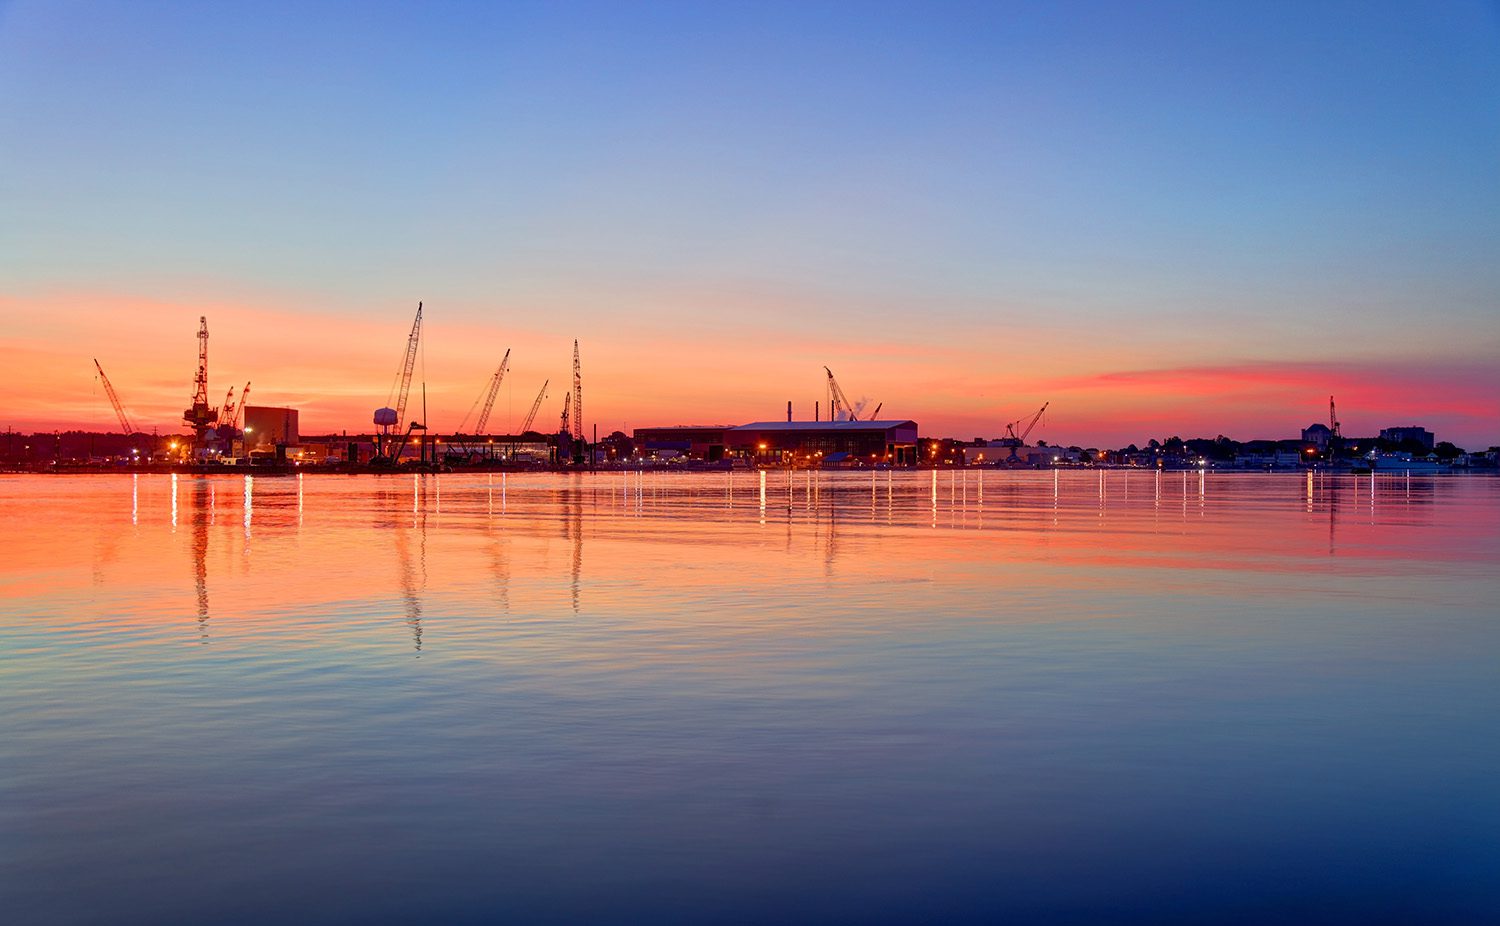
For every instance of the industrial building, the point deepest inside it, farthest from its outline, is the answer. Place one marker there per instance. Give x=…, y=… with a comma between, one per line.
x=832, y=442
x=694, y=442
x=267, y=427
x=1409, y=433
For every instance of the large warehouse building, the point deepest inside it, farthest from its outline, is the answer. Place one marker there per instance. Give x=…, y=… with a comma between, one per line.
x=893, y=442
x=266, y=427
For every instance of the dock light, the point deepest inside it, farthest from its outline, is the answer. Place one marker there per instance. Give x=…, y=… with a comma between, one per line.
x=763, y=446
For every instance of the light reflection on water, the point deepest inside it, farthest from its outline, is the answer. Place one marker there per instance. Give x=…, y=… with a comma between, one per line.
x=955, y=696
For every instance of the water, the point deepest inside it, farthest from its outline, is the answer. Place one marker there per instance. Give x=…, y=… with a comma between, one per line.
x=1034, y=697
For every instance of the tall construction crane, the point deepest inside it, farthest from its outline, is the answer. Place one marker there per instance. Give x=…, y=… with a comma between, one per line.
x=200, y=416
x=226, y=411
x=410, y=362
x=125, y=426
x=577, y=395
x=535, y=406
x=838, y=401
x=239, y=410
x=388, y=420
x=1014, y=440
x=1018, y=440
x=1336, y=435
x=488, y=397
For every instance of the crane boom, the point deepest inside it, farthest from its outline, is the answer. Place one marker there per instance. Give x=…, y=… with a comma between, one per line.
x=114, y=400
x=567, y=400
x=535, y=407
x=226, y=412
x=239, y=409
x=486, y=401
x=837, y=399
x=1034, y=419
x=408, y=364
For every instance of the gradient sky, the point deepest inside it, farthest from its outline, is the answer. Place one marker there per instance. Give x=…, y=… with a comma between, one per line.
x=1194, y=218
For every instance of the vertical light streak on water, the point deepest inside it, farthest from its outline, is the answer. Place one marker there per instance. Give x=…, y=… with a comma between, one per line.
x=415, y=482
x=249, y=494
x=135, y=498
x=174, y=503
x=490, y=495
x=299, y=499
x=1309, y=491
x=213, y=507
x=502, y=493
x=934, y=499
x=762, y=496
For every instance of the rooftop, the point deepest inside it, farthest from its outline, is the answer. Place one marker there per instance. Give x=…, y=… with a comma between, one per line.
x=884, y=424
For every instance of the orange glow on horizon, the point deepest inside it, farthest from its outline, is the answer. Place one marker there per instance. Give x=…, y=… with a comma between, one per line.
x=336, y=369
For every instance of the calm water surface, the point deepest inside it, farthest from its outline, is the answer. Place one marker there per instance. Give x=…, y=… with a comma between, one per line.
x=1035, y=697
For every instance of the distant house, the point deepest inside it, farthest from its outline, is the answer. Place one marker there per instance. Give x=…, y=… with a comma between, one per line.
x=1318, y=435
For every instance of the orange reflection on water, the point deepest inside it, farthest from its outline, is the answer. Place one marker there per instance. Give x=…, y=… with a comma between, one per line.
x=333, y=559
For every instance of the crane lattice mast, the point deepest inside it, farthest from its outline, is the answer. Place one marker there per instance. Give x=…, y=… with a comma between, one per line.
x=577, y=394
x=535, y=407
x=489, y=396
x=109, y=390
x=200, y=416
x=567, y=401
x=837, y=399
x=407, y=366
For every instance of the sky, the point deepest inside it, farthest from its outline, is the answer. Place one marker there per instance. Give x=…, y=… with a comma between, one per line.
x=1161, y=218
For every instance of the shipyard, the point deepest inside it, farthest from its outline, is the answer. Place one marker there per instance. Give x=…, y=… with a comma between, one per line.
x=236, y=435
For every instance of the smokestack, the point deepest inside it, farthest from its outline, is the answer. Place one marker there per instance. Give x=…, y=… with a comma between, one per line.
x=788, y=411
x=816, y=412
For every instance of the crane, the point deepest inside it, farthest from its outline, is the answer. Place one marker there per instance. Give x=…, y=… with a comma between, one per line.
x=535, y=406
x=226, y=411
x=1336, y=436
x=1014, y=440
x=837, y=400
x=200, y=416
x=410, y=361
x=1017, y=440
x=577, y=395
x=488, y=397
x=563, y=428
x=239, y=410
x=125, y=425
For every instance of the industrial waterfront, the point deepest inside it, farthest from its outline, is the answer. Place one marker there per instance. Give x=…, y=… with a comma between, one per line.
x=893, y=696
x=842, y=434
